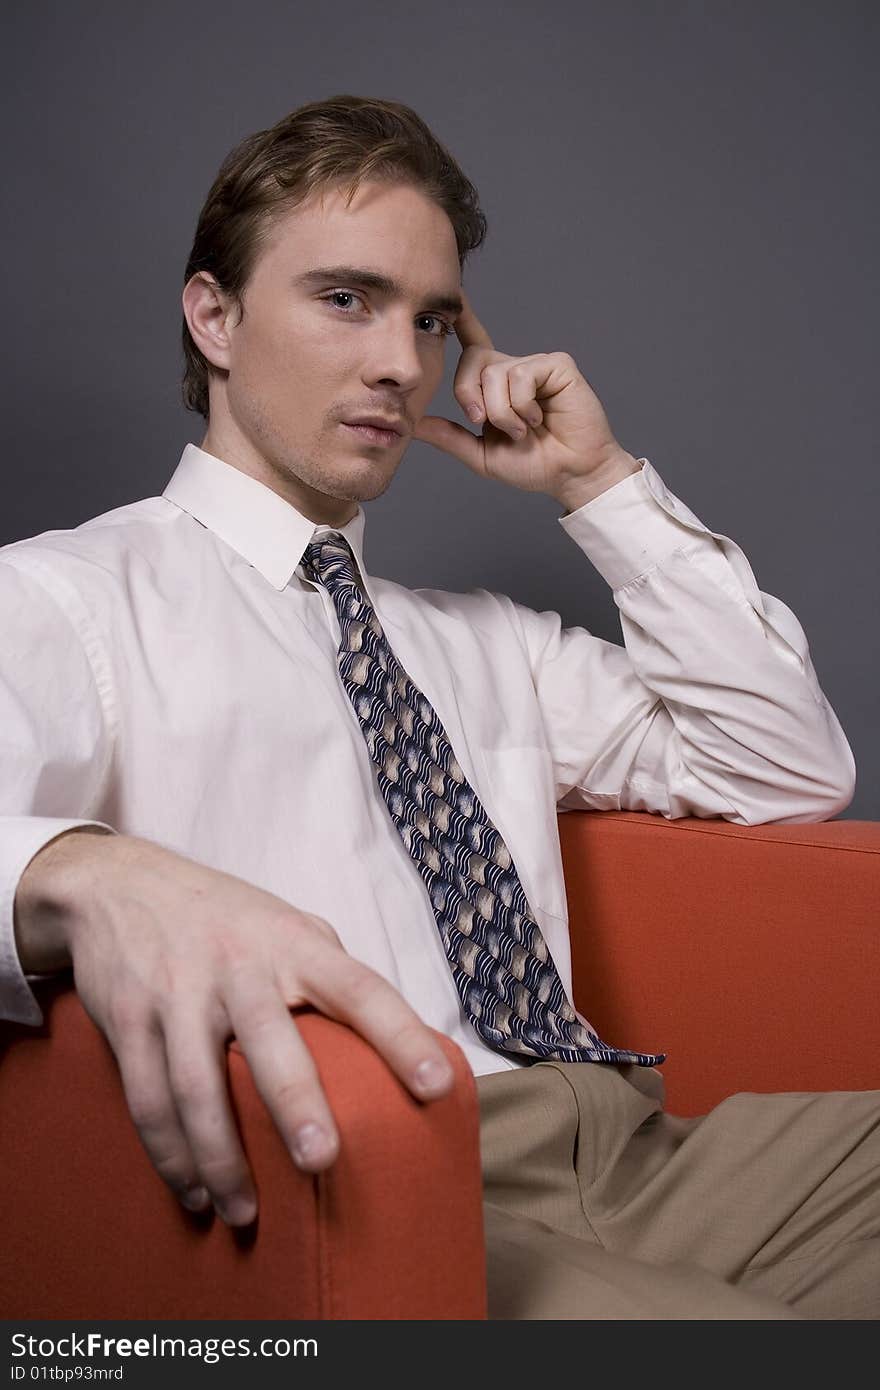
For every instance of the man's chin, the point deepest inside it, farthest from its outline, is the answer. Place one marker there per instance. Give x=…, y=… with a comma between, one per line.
x=360, y=484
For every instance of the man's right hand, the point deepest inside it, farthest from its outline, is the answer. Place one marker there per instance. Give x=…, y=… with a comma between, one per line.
x=170, y=960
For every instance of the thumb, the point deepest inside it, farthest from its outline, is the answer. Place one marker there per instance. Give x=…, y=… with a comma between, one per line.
x=452, y=439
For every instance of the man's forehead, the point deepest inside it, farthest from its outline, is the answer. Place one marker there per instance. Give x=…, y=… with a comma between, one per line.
x=319, y=242
x=379, y=205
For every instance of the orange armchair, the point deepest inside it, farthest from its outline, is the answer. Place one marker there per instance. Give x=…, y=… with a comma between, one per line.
x=749, y=954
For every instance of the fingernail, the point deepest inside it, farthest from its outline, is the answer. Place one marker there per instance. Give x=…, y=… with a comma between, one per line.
x=475, y=412
x=519, y=432
x=431, y=1075
x=311, y=1142
x=236, y=1211
x=196, y=1198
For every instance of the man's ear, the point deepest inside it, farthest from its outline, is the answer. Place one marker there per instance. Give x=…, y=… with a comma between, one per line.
x=210, y=313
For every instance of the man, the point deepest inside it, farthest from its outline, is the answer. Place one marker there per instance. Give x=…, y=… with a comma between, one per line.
x=241, y=773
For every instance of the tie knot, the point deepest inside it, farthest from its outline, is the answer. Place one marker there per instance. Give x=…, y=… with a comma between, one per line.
x=329, y=561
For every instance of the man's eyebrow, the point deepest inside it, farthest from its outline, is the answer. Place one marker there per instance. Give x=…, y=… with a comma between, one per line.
x=375, y=280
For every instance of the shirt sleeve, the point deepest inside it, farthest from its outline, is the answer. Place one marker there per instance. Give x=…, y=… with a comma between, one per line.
x=712, y=707
x=56, y=736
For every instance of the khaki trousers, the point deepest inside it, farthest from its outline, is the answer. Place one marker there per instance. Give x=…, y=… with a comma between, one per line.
x=598, y=1204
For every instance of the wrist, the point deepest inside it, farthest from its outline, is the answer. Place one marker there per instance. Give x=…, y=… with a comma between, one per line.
x=578, y=491
x=46, y=899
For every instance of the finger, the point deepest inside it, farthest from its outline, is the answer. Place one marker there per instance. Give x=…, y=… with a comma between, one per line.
x=197, y=1072
x=453, y=439
x=283, y=1070
x=495, y=381
x=368, y=1003
x=143, y=1069
x=522, y=386
x=467, y=388
x=469, y=330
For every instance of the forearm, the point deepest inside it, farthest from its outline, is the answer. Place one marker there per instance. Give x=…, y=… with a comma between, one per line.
x=745, y=730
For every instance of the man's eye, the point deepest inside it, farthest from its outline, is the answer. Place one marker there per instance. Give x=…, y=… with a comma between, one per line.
x=340, y=294
x=446, y=328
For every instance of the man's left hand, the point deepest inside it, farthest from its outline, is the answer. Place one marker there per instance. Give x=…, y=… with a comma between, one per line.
x=544, y=427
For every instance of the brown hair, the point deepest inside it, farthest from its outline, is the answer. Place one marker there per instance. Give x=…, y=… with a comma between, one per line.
x=338, y=141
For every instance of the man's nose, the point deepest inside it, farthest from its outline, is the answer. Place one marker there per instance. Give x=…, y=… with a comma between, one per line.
x=395, y=357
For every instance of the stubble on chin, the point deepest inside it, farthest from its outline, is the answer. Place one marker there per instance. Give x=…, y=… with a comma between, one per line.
x=354, y=480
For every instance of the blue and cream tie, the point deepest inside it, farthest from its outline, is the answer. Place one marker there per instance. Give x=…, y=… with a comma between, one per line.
x=502, y=968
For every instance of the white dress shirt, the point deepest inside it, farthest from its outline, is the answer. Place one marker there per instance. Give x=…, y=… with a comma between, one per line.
x=166, y=671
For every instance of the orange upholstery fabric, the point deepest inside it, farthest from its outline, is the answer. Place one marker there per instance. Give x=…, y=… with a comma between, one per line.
x=749, y=954
x=393, y=1231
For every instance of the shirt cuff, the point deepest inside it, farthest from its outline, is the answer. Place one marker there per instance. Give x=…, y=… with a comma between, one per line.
x=632, y=526
x=21, y=837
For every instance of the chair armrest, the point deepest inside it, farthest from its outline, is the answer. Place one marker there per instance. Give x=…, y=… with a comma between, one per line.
x=750, y=954
x=392, y=1231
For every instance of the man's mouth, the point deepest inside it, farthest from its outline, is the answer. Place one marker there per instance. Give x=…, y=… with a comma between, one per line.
x=374, y=435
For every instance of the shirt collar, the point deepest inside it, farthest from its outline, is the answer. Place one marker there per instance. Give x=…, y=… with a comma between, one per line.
x=255, y=521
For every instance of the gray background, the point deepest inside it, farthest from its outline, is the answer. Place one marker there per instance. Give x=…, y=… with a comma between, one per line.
x=681, y=195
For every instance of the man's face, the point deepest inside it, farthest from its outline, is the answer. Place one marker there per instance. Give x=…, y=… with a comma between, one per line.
x=313, y=350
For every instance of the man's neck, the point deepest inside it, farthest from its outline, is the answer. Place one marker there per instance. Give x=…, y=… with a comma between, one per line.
x=317, y=506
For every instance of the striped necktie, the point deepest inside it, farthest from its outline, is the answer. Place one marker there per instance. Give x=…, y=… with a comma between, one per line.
x=503, y=970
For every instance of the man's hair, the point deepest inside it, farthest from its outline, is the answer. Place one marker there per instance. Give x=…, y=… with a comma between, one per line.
x=340, y=141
